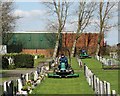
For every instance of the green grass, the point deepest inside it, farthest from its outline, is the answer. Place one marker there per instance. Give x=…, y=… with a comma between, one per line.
x=37, y=61
x=105, y=75
x=65, y=85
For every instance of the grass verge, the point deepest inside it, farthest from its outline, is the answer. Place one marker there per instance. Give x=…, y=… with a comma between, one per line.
x=65, y=85
x=105, y=75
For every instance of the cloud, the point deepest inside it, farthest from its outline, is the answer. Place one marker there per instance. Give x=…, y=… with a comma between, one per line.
x=31, y=13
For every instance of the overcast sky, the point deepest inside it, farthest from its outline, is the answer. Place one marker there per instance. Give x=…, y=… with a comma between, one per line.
x=35, y=18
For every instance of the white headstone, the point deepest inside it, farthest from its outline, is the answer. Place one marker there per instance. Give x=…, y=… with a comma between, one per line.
x=5, y=86
x=10, y=60
x=35, y=75
x=3, y=49
x=27, y=76
x=113, y=93
x=36, y=57
x=101, y=87
x=19, y=85
x=98, y=86
x=105, y=87
x=108, y=89
x=95, y=83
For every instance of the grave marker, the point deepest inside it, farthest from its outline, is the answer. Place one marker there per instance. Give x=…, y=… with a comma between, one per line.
x=26, y=77
x=108, y=89
x=20, y=86
x=5, y=86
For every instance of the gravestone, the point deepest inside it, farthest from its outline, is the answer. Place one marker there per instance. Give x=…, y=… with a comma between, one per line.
x=32, y=76
x=36, y=57
x=105, y=83
x=5, y=86
x=95, y=83
x=3, y=49
x=10, y=60
x=113, y=93
x=101, y=88
x=106, y=63
x=26, y=77
x=20, y=86
x=35, y=75
x=38, y=70
x=98, y=86
x=22, y=77
x=20, y=91
x=109, y=62
x=108, y=89
x=10, y=88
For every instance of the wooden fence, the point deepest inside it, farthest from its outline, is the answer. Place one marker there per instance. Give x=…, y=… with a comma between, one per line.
x=101, y=88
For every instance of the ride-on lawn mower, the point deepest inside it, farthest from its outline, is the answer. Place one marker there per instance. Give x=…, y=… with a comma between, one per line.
x=63, y=70
x=83, y=54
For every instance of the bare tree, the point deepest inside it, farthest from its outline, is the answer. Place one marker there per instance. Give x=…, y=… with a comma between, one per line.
x=7, y=21
x=105, y=14
x=60, y=9
x=85, y=13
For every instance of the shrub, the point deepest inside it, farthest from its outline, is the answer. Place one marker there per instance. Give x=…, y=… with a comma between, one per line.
x=11, y=67
x=41, y=56
x=5, y=62
x=24, y=61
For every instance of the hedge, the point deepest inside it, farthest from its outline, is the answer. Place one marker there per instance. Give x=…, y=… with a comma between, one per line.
x=24, y=61
x=20, y=61
x=5, y=63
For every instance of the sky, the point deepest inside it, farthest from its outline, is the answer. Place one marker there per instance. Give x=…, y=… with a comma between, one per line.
x=34, y=17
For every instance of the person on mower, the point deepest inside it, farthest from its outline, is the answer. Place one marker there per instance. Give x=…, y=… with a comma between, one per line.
x=83, y=52
x=63, y=59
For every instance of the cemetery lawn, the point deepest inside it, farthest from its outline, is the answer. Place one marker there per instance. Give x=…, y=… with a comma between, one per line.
x=39, y=60
x=65, y=85
x=104, y=75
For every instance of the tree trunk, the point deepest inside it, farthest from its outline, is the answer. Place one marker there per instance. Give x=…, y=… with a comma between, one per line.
x=56, y=49
x=56, y=46
x=98, y=50
x=73, y=48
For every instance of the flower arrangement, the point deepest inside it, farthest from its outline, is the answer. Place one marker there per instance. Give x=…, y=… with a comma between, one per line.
x=28, y=86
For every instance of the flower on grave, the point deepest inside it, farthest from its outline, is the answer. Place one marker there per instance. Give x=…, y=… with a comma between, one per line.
x=29, y=83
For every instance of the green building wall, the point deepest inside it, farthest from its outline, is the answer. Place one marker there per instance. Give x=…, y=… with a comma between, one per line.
x=34, y=40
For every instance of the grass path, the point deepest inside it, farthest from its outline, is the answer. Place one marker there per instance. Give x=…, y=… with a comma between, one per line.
x=65, y=85
x=105, y=75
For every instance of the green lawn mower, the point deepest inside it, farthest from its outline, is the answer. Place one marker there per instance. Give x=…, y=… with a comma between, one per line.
x=63, y=70
x=83, y=54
